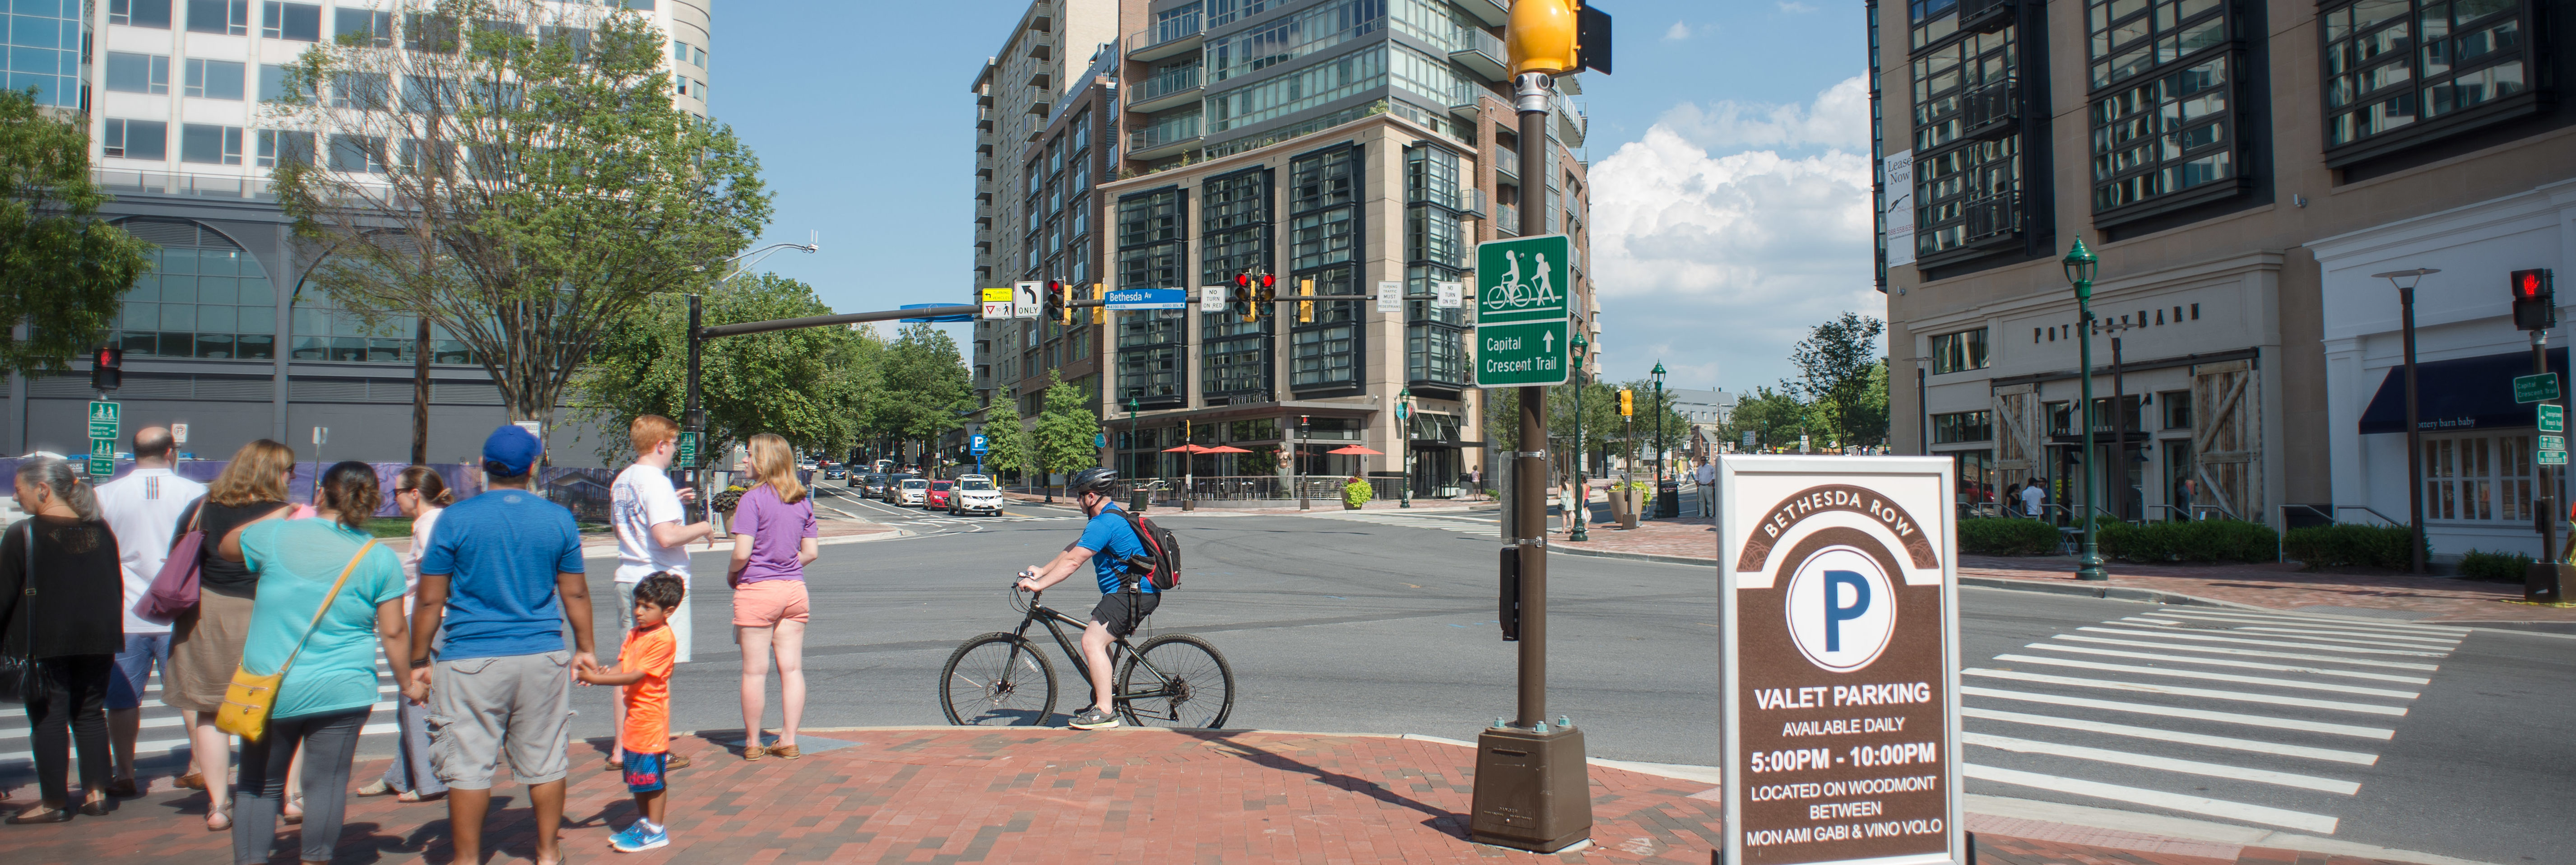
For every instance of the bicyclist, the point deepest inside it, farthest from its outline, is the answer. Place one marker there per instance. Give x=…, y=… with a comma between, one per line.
x=1107, y=541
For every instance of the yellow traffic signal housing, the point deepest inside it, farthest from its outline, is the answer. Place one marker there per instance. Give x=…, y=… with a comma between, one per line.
x=1100, y=314
x=1541, y=37
x=1627, y=403
x=1305, y=308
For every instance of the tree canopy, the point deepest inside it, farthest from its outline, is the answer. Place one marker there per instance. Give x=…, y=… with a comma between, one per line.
x=1839, y=368
x=1066, y=431
x=1008, y=445
x=62, y=271
x=809, y=386
x=926, y=392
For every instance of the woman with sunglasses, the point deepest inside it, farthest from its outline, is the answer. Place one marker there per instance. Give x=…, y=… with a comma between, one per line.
x=421, y=494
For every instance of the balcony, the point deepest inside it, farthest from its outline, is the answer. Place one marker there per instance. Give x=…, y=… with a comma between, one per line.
x=1041, y=80
x=1171, y=89
x=1041, y=49
x=1570, y=125
x=1985, y=16
x=1507, y=166
x=1507, y=220
x=1164, y=137
x=1471, y=203
x=1991, y=112
x=1495, y=13
x=1169, y=38
x=1040, y=108
x=1991, y=220
x=1483, y=55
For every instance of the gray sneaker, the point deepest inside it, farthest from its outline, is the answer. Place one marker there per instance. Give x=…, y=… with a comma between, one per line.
x=1093, y=719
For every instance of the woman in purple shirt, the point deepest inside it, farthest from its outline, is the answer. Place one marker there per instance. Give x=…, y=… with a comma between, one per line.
x=773, y=539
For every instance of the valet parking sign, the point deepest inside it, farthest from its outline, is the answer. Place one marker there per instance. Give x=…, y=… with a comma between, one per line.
x=1840, y=660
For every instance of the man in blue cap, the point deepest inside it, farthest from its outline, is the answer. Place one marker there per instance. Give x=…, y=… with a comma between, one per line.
x=504, y=572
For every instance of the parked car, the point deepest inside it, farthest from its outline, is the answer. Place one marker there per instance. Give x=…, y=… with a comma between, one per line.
x=975, y=494
x=912, y=493
x=938, y=498
x=893, y=489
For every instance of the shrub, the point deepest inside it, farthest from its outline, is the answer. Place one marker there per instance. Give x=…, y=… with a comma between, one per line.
x=2005, y=536
x=2348, y=545
x=2493, y=567
x=2189, y=541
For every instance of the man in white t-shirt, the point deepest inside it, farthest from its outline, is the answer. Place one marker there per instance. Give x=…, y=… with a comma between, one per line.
x=144, y=509
x=1706, y=478
x=653, y=533
x=2031, y=498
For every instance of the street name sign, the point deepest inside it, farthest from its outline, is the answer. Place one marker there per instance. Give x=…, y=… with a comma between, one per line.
x=1838, y=660
x=2536, y=387
x=102, y=420
x=1523, y=279
x=1149, y=298
x=2553, y=443
x=686, y=455
x=1522, y=354
x=1024, y=299
x=2552, y=458
x=2553, y=418
x=102, y=457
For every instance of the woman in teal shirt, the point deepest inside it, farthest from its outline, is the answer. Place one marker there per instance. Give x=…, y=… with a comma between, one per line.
x=331, y=686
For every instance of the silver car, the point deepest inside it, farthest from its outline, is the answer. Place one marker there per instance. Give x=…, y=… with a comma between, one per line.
x=914, y=493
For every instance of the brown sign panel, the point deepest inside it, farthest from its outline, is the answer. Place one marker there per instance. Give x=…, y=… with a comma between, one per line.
x=1840, y=659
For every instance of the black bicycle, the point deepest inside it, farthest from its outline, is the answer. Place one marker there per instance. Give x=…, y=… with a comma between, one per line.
x=1004, y=679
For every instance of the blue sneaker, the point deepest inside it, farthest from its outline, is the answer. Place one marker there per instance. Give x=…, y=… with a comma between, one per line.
x=636, y=839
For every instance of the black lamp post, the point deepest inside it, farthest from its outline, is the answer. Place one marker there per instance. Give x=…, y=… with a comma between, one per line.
x=1658, y=376
x=2405, y=281
x=2080, y=268
x=1404, y=446
x=1582, y=510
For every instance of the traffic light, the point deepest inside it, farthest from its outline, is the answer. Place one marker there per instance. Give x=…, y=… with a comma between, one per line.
x=1305, y=308
x=2535, y=300
x=1627, y=403
x=1239, y=300
x=107, y=369
x=1265, y=296
x=1054, y=301
x=1100, y=314
x=1557, y=37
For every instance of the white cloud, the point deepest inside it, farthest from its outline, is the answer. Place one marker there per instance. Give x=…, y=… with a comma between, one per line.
x=1679, y=31
x=1838, y=118
x=1794, y=7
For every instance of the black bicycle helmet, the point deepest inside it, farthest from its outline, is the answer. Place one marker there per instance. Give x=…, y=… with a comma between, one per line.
x=1093, y=480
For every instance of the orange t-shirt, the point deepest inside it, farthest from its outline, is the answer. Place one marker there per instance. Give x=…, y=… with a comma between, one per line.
x=648, y=701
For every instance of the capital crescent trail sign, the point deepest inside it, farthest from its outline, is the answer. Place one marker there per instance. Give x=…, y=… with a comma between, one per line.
x=1838, y=660
x=1523, y=286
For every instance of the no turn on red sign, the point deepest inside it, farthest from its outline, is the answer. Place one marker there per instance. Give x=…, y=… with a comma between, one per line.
x=1839, y=660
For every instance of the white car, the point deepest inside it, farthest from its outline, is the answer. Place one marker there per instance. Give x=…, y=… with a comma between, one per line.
x=975, y=494
x=913, y=493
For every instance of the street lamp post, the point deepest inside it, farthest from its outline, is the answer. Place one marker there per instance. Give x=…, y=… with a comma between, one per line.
x=2080, y=267
x=2405, y=280
x=1404, y=446
x=1658, y=376
x=1582, y=510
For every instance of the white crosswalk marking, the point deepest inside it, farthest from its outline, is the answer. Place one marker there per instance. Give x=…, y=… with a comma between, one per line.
x=2045, y=731
x=15, y=756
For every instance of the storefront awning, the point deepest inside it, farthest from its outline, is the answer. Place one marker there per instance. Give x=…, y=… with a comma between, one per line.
x=2462, y=394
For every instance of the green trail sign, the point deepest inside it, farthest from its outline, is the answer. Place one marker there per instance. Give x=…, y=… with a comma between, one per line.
x=686, y=456
x=2553, y=458
x=2535, y=387
x=102, y=456
x=102, y=420
x=1523, y=279
x=2553, y=418
x=1522, y=354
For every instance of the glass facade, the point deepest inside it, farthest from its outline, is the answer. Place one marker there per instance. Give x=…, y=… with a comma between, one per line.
x=1235, y=227
x=2397, y=68
x=1969, y=170
x=200, y=302
x=2163, y=117
x=1435, y=249
x=46, y=49
x=1153, y=246
x=1324, y=252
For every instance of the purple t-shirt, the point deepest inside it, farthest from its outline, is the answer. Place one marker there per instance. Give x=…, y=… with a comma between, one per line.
x=777, y=531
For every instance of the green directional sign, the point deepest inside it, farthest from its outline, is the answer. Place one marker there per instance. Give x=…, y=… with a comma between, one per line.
x=102, y=457
x=2553, y=418
x=1523, y=279
x=2535, y=387
x=686, y=456
x=2553, y=458
x=2553, y=443
x=102, y=420
x=1522, y=354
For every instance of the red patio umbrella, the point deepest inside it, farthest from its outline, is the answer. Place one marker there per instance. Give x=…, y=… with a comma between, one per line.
x=1186, y=449
x=1355, y=449
x=1223, y=449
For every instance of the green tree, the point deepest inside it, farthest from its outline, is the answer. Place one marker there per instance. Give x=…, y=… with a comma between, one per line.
x=1008, y=447
x=1065, y=431
x=1837, y=365
x=808, y=385
x=61, y=271
x=514, y=172
x=926, y=388
x=1775, y=418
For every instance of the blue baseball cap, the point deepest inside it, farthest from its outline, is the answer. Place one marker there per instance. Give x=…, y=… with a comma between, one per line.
x=512, y=447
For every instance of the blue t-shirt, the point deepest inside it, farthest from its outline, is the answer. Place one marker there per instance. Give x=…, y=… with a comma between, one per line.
x=297, y=562
x=1111, y=541
x=501, y=551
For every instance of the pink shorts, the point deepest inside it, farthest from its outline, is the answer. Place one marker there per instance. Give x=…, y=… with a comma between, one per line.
x=768, y=602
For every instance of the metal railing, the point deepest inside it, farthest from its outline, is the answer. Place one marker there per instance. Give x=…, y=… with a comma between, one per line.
x=1171, y=29
x=1321, y=488
x=2367, y=509
x=166, y=183
x=1170, y=131
x=1166, y=84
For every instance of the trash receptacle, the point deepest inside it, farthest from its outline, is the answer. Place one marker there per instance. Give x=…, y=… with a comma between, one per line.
x=1138, y=500
x=1668, y=499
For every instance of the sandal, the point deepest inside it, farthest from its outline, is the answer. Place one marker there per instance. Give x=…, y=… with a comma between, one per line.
x=295, y=819
x=218, y=820
x=376, y=787
x=678, y=761
x=787, y=752
x=613, y=766
x=415, y=796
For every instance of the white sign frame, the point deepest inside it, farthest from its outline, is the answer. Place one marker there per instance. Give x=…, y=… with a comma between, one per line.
x=1026, y=301
x=178, y=433
x=1448, y=295
x=1390, y=297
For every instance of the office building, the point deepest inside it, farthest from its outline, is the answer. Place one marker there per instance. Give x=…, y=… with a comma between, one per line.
x=223, y=335
x=2242, y=170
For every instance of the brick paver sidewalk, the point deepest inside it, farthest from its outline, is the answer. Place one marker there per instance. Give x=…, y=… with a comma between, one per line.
x=951, y=795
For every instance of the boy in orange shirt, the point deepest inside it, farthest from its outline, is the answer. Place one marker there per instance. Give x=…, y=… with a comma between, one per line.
x=644, y=670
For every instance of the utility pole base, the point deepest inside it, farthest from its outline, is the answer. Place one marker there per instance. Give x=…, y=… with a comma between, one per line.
x=2546, y=582
x=1533, y=790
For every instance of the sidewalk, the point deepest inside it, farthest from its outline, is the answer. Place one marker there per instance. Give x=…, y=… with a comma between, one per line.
x=2268, y=585
x=951, y=795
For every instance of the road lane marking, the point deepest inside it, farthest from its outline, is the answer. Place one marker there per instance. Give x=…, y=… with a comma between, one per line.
x=2169, y=764
x=2224, y=662
x=2259, y=653
x=2206, y=675
x=2202, y=739
x=2324, y=627
x=2373, y=624
x=2180, y=691
x=2214, y=638
x=2241, y=811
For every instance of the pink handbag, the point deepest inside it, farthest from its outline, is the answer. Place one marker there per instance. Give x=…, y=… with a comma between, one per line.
x=174, y=590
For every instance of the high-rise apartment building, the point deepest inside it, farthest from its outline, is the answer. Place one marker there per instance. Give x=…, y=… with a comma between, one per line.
x=1358, y=147
x=222, y=334
x=2242, y=169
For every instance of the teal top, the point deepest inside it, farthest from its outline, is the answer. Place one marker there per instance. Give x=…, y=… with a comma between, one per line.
x=297, y=561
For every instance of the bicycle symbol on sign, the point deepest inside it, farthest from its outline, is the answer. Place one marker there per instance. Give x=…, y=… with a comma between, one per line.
x=1517, y=291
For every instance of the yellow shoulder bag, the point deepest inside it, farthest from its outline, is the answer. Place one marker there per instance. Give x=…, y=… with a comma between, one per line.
x=251, y=697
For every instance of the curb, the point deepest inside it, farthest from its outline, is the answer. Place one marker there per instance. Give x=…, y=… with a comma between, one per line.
x=1634, y=557
x=2115, y=593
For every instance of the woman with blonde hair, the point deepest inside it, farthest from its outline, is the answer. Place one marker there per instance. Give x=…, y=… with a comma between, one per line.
x=206, y=642
x=773, y=540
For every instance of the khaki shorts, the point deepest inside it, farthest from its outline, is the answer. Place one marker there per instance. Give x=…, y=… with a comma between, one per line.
x=481, y=708
x=766, y=603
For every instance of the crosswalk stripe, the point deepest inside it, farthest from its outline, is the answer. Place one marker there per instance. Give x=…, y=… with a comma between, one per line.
x=2214, y=638
x=2375, y=625
x=2259, y=653
x=2212, y=677
x=2203, y=739
x=2317, y=823
x=2300, y=724
x=2180, y=691
x=2294, y=634
x=2428, y=642
x=2325, y=627
x=2226, y=662
x=2169, y=764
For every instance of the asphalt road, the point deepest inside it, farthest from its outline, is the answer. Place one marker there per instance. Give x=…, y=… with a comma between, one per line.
x=1385, y=624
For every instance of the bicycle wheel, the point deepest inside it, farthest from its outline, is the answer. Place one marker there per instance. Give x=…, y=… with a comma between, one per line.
x=1176, y=680
x=997, y=680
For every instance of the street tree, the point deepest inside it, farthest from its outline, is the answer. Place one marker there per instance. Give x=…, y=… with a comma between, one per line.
x=1835, y=373
x=808, y=385
x=512, y=172
x=1066, y=431
x=1008, y=445
x=62, y=271
x=926, y=390
x=1773, y=417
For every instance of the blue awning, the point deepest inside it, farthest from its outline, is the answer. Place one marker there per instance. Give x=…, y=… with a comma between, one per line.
x=2463, y=394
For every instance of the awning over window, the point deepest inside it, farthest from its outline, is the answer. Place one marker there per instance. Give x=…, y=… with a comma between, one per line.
x=2463, y=394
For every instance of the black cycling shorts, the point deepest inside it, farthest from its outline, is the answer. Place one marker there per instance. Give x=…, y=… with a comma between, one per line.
x=1114, y=611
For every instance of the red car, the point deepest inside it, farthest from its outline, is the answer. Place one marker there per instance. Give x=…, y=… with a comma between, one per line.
x=938, y=497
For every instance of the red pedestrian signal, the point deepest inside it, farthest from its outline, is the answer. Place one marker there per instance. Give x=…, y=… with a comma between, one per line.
x=2535, y=302
x=107, y=369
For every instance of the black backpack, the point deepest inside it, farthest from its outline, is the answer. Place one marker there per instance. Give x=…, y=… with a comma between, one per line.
x=1161, y=563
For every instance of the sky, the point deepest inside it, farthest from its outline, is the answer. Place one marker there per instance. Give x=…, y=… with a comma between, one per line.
x=1730, y=165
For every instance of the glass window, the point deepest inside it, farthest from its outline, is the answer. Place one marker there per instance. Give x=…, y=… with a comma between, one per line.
x=436, y=34
x=2165, y=124
x=136, y=139
x=1956, y=352
x=139, y=13
x=2177, y=408
x=1968, y=158
x=372, y=28
x=326, y=331
x=138, y=73
x=358, y=153
x=300, y=22
x=210, y=144
x=1295, y=36
x=1966, y=426
x=360, y=90
x=202, y=303
x=281, y=146
x=1235, y=228
x=2392, y=64
x=1152, y=248
x=214, y=79
x=1324, y=248
x=229, y=17
x=1299, y=90
x=2480, y=478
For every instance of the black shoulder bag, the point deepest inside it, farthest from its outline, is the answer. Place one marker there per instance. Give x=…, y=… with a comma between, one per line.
x=18, y=675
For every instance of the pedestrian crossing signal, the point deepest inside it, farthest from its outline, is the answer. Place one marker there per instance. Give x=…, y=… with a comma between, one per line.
x=2535, y=303
x=107, y=369
x=1100, y=314
x=1627, y=403
x=1305, y=308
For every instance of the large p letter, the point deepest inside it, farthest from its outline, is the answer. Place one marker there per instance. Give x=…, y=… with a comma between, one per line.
x=1835, y=613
